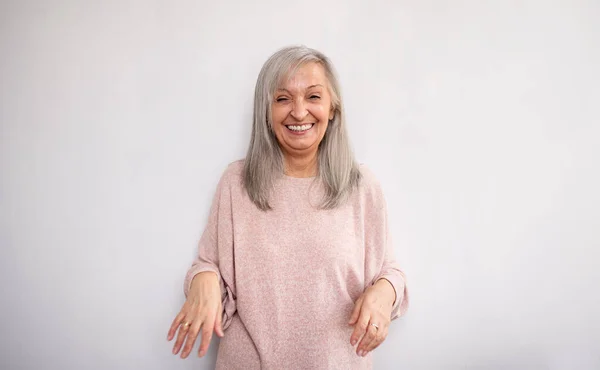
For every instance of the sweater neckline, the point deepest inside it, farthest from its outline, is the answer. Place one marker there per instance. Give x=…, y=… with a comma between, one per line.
x=292, y=178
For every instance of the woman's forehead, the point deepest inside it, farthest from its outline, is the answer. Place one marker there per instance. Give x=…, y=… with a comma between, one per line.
x=303, y=77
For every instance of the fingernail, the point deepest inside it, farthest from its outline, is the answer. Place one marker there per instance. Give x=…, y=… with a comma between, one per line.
x=353, y=341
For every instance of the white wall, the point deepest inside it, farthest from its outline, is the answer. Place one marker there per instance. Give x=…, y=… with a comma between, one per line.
x=480, y=118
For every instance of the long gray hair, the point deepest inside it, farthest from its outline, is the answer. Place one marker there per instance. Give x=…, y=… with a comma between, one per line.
x=264, y=161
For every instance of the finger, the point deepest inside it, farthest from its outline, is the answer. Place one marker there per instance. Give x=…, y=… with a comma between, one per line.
x=359, y=329
x=192, y=335
x=376, y=339
x=175, y=324
x=219, y=323
x=355, y=311
x=207, y=331
x=180, y=336
x=370, y=335
x=381, y=337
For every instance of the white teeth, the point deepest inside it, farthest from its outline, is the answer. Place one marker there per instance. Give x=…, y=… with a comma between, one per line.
x=300, y=128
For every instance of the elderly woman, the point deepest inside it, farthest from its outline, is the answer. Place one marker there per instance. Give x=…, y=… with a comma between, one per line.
x=295, y=269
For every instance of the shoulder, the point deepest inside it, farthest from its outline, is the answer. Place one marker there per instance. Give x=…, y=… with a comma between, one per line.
x=369, y=181
x=232, y=175
x=370, y=189
x=235, y=168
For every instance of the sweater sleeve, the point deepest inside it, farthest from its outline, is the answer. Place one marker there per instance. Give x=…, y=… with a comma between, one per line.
x=379, y=260
x=215, y=249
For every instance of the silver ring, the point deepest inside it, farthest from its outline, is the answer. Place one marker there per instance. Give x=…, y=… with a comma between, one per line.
x=376, y=327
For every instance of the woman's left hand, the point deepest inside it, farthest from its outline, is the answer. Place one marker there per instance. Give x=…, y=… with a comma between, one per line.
x=373, y=307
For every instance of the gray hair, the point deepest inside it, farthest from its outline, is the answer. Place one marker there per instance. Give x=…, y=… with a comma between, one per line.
x=338, y=168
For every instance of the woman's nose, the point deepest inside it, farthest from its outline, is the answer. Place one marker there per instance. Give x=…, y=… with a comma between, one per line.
x=299, y=110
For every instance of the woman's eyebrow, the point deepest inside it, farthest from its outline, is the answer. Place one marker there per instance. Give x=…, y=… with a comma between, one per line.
x=310, y=87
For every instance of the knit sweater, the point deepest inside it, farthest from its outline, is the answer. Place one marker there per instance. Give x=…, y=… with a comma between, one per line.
x=290, y=276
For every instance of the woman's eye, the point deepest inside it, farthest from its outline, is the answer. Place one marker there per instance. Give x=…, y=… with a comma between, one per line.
x=315, y=97
x=283, y=98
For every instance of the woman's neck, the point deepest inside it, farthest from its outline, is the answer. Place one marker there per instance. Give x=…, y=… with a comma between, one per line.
x=300, y=166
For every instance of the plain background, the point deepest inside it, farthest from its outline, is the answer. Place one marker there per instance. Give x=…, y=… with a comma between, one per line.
x=480, y=118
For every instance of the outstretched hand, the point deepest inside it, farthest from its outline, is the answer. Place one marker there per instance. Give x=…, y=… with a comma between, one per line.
x=201, y=312
x=371, y=316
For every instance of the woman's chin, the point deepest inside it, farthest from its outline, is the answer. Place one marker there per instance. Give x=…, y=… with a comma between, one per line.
x=301, y=148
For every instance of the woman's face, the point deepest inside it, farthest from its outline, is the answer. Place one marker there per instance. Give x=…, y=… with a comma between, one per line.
x=301, y=109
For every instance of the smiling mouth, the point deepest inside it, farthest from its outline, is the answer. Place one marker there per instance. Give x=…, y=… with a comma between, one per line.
x=300, y=128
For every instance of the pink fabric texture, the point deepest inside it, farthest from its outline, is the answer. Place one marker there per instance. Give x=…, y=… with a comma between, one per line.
x=290, y=276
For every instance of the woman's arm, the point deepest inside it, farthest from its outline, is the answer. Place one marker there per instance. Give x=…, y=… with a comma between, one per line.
x=215, y=248
x=380, y=262
x=385, y=297
x=209, y=284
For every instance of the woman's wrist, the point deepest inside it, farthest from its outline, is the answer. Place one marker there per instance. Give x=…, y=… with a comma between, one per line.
x=204, y=275
x=386, y=286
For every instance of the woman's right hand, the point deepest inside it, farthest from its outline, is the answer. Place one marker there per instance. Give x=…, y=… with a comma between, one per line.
x=202, y=309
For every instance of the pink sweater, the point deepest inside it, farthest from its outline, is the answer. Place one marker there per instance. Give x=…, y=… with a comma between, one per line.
x=290, y=276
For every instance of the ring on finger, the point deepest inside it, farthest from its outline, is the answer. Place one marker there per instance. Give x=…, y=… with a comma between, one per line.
x=186, y=325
